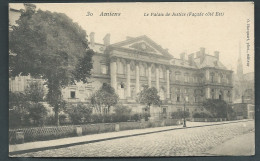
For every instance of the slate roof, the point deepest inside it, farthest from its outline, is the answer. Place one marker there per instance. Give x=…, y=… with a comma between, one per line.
x=209, y=61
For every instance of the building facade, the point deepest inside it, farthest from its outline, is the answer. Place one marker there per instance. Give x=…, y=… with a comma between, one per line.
x=130, y=64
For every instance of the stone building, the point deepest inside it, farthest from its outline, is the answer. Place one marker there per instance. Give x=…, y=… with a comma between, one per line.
x=134, y=62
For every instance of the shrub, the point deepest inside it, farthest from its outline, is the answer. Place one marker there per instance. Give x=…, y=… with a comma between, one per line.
x=180, y=114
x=122, y=113
x=37, y=113
x=96, y=118
x=202, y=115
x=136, y=117
x=79, y=113
x=108, y=118
x=146, y=116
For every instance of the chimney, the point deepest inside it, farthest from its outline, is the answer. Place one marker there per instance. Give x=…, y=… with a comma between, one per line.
x=92, y=38
x=202, y=51
x=216, y=53
x=191, y=59
x=182, y=56
x=106, y=40
x=202, y=54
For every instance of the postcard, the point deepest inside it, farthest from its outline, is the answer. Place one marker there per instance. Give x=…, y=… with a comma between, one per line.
x=131, y=79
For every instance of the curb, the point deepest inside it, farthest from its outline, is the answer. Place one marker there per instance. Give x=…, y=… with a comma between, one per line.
x=112, y=138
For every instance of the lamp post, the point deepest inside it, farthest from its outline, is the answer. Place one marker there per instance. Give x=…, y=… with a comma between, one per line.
x=184, y=119
x=184, y=110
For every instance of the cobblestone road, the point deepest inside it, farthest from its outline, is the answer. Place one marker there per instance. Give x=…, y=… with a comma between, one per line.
x=182, y=142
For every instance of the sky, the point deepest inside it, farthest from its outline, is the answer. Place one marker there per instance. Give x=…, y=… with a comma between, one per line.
x=176, y=33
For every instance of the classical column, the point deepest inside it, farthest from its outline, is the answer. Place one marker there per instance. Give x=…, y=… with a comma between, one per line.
x=157, y=78
x=113, y=71
x=128, y=79
x=168, y=83
x=149, y=75
x=137, y=73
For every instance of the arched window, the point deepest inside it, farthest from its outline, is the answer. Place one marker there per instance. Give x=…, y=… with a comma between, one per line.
x=161, y=72
x=162, y=93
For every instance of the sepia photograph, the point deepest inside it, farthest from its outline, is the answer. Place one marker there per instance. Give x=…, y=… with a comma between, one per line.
x=157, y=79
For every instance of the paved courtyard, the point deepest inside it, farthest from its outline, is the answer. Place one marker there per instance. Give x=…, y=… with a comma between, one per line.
x=182, y=142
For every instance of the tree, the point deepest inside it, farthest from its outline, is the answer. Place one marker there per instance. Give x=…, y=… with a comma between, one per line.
x=105, y=96
x=50, y=46
x=149, y=96
x=35, y=92
x=17, y=109
x=217, y=108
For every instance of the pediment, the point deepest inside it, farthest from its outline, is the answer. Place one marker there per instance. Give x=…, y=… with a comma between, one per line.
x=143, y=44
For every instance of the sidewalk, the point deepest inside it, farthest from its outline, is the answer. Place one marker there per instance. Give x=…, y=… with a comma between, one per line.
x=66, y=142
x=238, y=146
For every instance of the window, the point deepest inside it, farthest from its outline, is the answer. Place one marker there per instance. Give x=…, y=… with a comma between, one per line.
x=120, y=68
x=164, y=110
x=177, y=76
x=161, y=73
x=178, y=98
x=72, y=94
x=229, y=96
x=195, y=99
x=103, y=69
x=191, y=79
x=186, y=78
x=211, y=77
x=212, y=93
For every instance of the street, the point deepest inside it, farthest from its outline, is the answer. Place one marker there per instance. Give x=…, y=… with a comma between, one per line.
x=199, y=141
